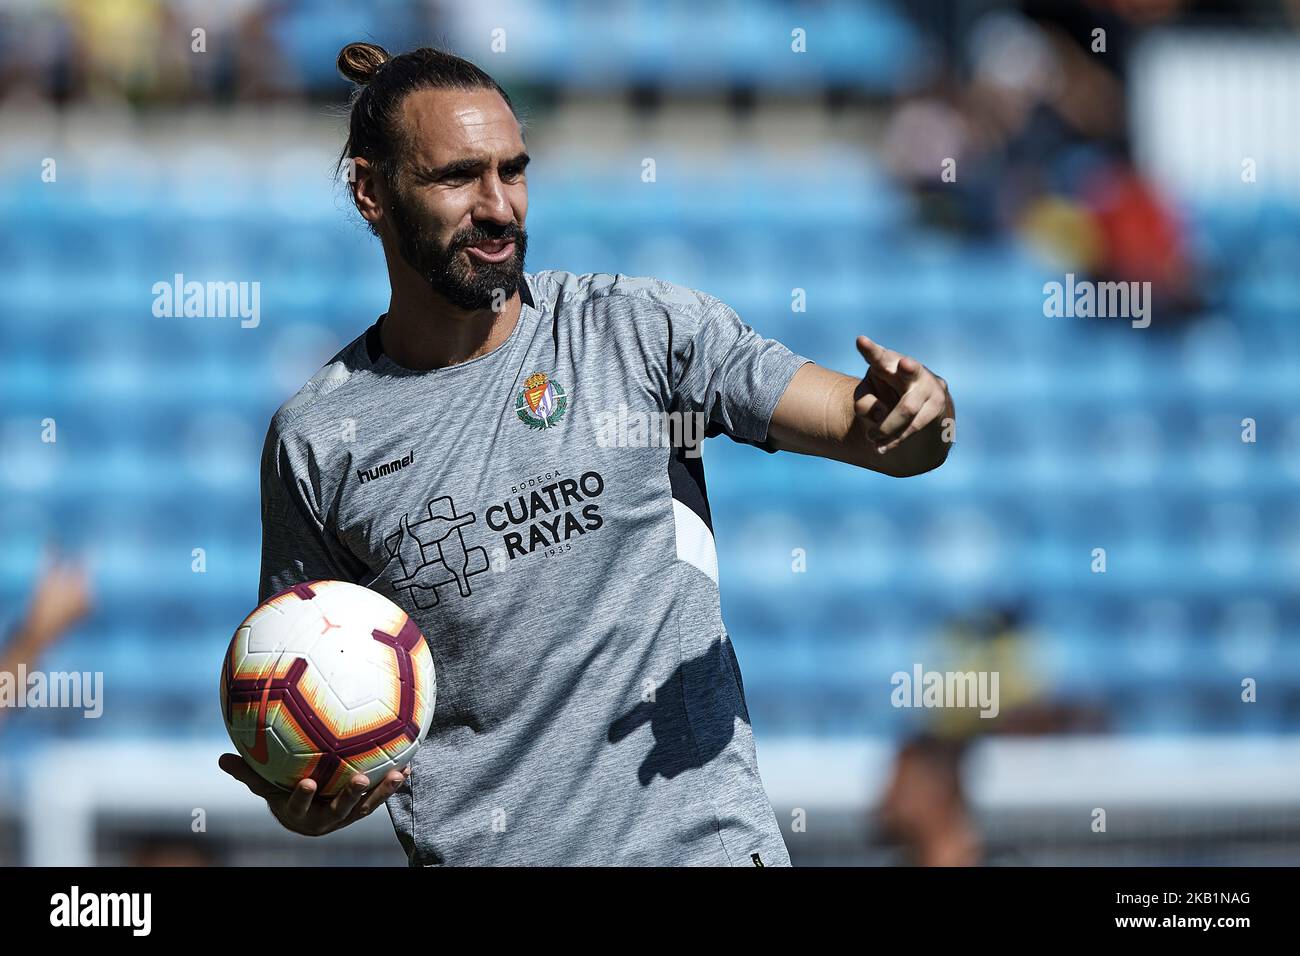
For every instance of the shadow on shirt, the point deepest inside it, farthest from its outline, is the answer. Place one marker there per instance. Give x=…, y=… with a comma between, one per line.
x=692, y=716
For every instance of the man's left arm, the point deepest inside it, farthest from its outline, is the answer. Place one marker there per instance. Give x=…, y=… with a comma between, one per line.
x=898, y=419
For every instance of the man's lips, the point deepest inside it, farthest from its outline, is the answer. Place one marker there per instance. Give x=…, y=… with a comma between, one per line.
x=493, y=250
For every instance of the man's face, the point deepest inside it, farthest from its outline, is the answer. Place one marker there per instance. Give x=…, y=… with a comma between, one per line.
x=460, y=196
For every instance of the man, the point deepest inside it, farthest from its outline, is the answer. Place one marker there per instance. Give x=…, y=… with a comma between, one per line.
x=458, y=457
x=924, y=808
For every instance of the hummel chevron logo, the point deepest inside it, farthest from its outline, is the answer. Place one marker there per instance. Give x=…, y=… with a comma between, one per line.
x=370, y=474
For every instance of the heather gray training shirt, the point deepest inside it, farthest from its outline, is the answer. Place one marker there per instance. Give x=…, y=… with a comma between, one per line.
x=526, y=510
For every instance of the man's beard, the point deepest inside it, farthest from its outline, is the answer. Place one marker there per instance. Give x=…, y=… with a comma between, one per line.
x=468, y=285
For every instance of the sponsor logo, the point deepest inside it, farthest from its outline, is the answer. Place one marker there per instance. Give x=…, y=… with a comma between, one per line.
x=541, y=401
x=549, y=514
x=370, y=474
x=440, y=547
x=432, y=553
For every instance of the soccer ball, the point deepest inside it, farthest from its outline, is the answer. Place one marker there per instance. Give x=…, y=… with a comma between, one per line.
x=326, y=680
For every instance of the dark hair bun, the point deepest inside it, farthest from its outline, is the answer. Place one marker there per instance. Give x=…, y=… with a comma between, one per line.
x=360, y=61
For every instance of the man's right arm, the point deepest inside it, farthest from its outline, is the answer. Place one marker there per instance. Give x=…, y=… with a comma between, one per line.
x=297, y=546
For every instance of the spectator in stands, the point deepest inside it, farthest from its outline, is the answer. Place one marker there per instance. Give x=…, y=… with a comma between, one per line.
x=170, y=851
x=1025, y=130
x=926, y=810
x=61, y=598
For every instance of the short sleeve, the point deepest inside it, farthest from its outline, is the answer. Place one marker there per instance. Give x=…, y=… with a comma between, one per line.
x=297, y=545
x=725, y=370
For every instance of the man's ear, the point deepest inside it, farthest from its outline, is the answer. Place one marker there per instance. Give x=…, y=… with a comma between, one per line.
x=366, y=190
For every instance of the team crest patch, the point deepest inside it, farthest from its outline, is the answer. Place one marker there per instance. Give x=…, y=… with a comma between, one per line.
x=541, y=402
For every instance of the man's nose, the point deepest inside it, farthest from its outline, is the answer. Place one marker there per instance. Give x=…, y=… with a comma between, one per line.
x=492, y=205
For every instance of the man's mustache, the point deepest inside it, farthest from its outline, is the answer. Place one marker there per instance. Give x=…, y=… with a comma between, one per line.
x=472, y=237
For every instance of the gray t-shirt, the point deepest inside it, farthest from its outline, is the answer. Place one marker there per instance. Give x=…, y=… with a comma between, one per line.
x=527, y=510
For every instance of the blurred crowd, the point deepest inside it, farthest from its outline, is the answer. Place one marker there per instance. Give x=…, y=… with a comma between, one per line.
x=1017, y=124
x=1029, y=109
x=181, y=51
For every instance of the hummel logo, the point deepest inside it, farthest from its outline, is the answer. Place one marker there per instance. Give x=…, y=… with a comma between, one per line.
x=370, y=474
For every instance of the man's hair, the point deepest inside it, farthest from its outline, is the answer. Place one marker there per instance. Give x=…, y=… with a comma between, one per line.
x=383, y=81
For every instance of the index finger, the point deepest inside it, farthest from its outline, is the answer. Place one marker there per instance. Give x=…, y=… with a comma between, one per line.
x=877, y=355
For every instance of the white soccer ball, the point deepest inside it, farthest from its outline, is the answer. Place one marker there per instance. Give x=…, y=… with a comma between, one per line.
x=326, y=680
